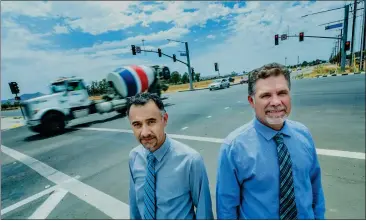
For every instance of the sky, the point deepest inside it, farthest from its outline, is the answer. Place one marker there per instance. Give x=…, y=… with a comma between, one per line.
x=44, y=40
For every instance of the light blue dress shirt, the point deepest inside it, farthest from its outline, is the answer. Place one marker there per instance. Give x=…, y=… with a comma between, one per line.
x=248, y=173
x=181, y=182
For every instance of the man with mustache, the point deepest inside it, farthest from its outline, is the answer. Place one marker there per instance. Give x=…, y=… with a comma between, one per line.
x=168, y=179
x=268, y=168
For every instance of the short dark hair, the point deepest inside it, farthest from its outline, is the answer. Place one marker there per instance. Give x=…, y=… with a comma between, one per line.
x=272, y=69
x=142, y=99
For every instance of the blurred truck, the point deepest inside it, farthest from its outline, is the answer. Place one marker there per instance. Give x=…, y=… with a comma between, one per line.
x=69, y=98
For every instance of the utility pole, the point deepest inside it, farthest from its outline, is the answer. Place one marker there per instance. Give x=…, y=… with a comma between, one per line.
x=298, y=61
x=363, y=50
x=353, y=31
x=340, y=48
x=344, y=39
x=285, y=60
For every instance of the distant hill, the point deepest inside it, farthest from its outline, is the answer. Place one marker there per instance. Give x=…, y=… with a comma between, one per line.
x=24, y=97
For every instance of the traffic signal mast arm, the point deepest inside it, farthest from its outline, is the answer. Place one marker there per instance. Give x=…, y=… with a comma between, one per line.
x=165, y=55
x=309, y=36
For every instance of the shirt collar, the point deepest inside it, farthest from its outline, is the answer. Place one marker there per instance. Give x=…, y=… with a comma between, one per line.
x=268, y=132
x=160, y=153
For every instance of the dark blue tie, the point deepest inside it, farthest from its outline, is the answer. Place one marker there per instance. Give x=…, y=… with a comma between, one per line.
x=287, y=193
x=149, y=187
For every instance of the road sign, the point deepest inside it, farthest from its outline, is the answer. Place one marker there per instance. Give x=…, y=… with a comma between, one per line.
x=183, y=54
x=339, y=25
x=138, y=49
x=283, y=37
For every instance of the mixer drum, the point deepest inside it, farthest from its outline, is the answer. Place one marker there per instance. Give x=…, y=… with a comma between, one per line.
x=131, y=80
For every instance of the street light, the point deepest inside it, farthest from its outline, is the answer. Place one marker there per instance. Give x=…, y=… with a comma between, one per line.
x=188, y=63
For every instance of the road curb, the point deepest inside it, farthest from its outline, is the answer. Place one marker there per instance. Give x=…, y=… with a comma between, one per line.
x=205, y=88
x=336, y=75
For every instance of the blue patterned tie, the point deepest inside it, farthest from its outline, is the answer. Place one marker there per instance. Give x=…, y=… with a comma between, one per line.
x=287, y=193
x=149, y=187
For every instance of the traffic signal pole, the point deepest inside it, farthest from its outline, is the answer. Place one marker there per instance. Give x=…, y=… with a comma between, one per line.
x=344, y=38
x=160, y=52
x=189, y=67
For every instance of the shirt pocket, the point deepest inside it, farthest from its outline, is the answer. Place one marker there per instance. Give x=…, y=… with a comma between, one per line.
x=173, y=185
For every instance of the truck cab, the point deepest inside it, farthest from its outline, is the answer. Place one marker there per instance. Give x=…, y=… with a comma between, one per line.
x=69, y=99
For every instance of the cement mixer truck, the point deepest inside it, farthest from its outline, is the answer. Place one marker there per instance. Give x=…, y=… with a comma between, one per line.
x=69, y=98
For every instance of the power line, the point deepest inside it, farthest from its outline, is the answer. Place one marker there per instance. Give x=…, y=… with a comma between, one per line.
x=322, y=11
x=338, y=21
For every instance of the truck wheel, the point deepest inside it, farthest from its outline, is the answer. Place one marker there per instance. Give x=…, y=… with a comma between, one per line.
x=53, y=123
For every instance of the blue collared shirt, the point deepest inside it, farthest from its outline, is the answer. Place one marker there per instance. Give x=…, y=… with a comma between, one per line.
x=181, y=182
x=248, y=173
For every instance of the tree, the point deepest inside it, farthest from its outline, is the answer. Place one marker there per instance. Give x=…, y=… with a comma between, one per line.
x=185, y=78
x=198, y=75
x=175, y=77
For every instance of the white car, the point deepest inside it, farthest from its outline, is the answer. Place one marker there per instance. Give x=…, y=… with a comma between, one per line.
x=219, y=84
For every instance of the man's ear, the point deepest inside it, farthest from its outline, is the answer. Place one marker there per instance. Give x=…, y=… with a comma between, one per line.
x=165, y=118
x=251, y=101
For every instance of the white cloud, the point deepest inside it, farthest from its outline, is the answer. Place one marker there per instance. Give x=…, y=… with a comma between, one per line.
x=58, y=29
x=211, y=36
x=248, y=44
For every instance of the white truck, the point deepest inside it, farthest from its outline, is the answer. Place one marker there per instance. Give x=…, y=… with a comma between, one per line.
x=69, y=98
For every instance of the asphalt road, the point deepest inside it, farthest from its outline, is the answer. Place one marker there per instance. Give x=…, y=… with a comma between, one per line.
x=95, y=151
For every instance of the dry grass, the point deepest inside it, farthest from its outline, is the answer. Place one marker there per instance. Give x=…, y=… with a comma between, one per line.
x=325, y=70
x=196, y=85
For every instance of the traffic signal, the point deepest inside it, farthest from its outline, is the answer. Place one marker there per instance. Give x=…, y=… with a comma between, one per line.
x=301, y=36
x=174, y=58
x=348, y=45
x=216, y=66
x=276, y=39
x=14, y=87
x=159, y=52
x=133, y=48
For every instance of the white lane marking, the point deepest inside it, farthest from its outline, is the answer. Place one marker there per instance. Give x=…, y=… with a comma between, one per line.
x=50, y=204
x=226, y=108
x=184, y=128
x=326, y=152
x=340, y=153
x=102, y=201
x=32, y=198
x=27, y=200
x=209, y=116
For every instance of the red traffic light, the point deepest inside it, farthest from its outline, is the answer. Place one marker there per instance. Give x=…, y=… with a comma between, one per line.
x=348, y=45
x=301, y=36
x=276, y=39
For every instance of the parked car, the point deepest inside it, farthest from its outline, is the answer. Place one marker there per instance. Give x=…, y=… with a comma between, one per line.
x=219, y=84
x=244, y=79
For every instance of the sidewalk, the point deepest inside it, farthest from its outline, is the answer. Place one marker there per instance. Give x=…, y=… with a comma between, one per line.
x=8, y=123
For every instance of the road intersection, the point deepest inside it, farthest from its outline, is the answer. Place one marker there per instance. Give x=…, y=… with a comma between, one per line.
x=83, y=173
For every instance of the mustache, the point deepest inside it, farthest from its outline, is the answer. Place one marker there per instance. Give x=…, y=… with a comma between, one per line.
x=276, y=109
x=147, y=137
